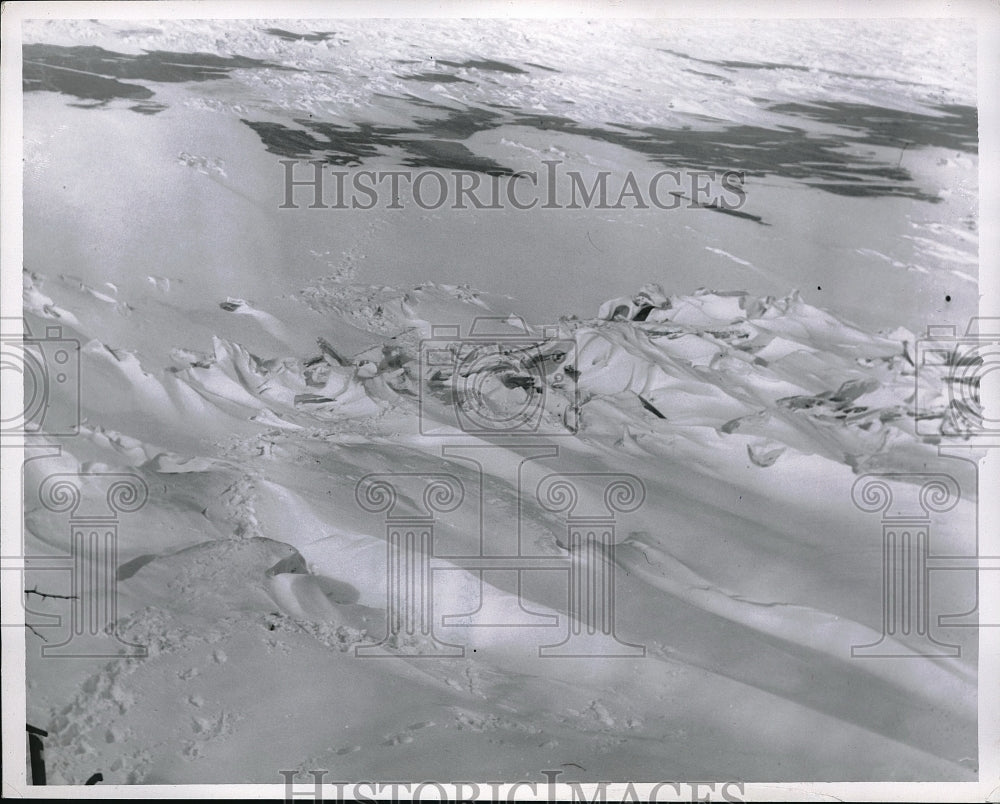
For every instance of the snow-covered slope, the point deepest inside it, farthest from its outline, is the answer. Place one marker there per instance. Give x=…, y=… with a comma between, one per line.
x=253, y=573
x=261, y=371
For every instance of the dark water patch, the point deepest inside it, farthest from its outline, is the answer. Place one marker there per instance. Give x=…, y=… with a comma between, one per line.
x=738, y=65
x=445, y=155
x=712, y=76
x=957, y=128
x=453, y=123
x=93, y=73
x=336, y=144
x=873, y=191
x=715, y=206
x=762, y=65
x=290, y=36
x=490, y=65
x=787, y=151
x=351, y=145
x=147, y=108
x=773, y=65
x=435, y=78
x=736, y=213
x=820, y=161
x=45, y=78
x=460, y=124
x=541, y=67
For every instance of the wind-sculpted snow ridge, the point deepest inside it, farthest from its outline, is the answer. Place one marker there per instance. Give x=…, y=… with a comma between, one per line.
x=770, y=374
x=774, y=373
